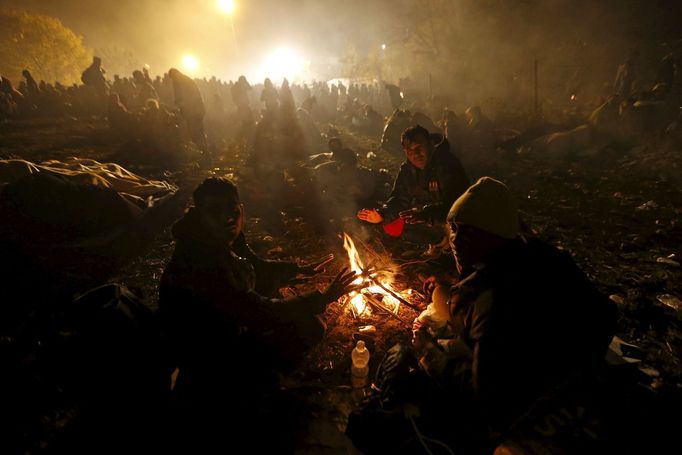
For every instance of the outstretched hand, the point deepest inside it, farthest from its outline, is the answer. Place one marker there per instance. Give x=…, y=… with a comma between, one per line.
x=430, y=285
x=370, y=215
x=413, y=216
x=342, y=284
x=315, y=267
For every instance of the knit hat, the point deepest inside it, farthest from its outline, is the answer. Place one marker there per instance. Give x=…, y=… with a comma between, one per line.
x=487, y=205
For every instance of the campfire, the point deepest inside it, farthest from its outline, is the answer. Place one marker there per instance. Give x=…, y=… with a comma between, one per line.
x=379, y=295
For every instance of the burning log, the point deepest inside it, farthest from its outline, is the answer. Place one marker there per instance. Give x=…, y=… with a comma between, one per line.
x=375, y=303
x=391, y=299
x=396, y=296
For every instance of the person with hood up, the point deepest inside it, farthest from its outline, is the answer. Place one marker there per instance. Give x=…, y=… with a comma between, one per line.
x=210, y=304
x=230, y=343
x=522, y=320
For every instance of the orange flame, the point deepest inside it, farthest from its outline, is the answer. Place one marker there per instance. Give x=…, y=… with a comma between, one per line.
x=358, y=299
x=356, y=264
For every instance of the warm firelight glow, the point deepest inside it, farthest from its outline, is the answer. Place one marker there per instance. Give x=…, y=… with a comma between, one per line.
x=358, y=299
x=190, y=62
x=226, y=6
x=356, y=264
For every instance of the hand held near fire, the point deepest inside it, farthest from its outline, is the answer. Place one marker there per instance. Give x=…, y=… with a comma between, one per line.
x=413, y=216
x=430, y=285
x=342, y=284
x=315, y=267
x=370, y=215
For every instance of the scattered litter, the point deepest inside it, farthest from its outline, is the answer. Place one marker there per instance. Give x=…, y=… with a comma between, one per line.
x=651, y=372
x=618, y=300
x=620, y=352
x=371, y=156
x=367, y=329
x=277, y=249
x=288, y=292
x=670, y=301
x=648, y=205
x=668, y=260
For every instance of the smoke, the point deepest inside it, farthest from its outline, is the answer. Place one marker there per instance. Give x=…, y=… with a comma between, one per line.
x=467, y=51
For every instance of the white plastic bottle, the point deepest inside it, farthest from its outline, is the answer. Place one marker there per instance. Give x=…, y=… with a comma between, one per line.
x=360, y=368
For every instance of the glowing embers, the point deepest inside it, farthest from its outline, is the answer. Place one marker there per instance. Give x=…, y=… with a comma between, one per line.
x=378, y=293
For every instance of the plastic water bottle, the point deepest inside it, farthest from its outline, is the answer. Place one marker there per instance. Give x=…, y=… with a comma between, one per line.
x=360, y=369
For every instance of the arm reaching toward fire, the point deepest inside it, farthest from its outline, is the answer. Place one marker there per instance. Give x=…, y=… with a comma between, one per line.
x=342, y=285
x=370, y=215
x=315, y=267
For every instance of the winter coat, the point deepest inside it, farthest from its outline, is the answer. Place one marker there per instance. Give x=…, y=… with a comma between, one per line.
x=215, y=319
x=531, y=318
x=433, y=189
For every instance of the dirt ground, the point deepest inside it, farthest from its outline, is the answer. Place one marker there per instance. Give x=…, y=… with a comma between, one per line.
x=617, y=214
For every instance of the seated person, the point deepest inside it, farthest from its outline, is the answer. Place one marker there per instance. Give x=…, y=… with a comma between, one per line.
x=229, y=342
x=345, y=183
x=480, y=133
x=522, y=320
x=367, y=120
x=333, y=144
x=428, y=182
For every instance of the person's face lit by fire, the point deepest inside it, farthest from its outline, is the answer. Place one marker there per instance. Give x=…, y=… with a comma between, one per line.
x=223, y=216
x=418, y=151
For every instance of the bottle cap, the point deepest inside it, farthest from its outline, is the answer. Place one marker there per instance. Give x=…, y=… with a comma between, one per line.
x=360, y=346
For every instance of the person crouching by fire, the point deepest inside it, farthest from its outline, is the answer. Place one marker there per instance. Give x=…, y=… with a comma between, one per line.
x=229, y=342
x=522, y=319
x=427, y=184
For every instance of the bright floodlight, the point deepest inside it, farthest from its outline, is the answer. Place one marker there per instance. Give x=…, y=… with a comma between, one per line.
x=190, y=62
x=383, y=47
x=283, y=62
x=226, y=6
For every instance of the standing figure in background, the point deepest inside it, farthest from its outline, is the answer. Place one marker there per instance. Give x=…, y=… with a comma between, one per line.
x=31, y=84
x=188, y=99
x=144, y=90
x=93, y=77
x=240, y=97
x=269, y=96
x=395, y=95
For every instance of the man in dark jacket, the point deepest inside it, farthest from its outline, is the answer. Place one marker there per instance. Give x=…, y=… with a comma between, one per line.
x=428, y=182
x=523, y=320
x=228, y=341
x=207, y=297
x=529, y=316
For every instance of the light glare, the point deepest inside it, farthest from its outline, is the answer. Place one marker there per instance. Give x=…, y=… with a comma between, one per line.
x=226, y=6
x=283, y=63
x=190, y=62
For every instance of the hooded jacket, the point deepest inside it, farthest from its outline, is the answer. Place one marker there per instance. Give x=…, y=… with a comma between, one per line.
x=531, y=319
x=212, y=314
